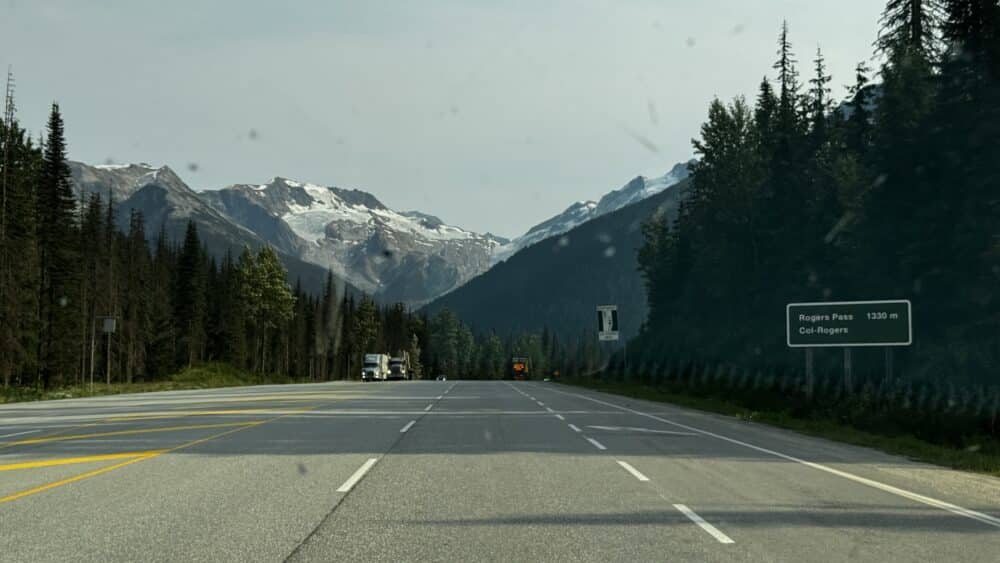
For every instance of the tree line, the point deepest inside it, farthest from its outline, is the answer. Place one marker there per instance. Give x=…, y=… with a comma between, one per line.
x=66, y=267
x=892, y=193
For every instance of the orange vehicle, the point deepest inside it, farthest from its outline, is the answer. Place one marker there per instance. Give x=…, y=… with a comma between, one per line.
x=519, y=368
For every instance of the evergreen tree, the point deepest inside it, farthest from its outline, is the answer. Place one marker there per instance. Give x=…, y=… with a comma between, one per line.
x=276, y=302
x=416, y=366
x=161, y=347
x=820, y=105
x=859, y=123
x=911, y=26
x=19, y=268
x=93, y=303
x=189, y=300
x=58, y=260
x=330, y=330
x=443, y=331
x=365, y=329
x=136, y=316
x=765, y=115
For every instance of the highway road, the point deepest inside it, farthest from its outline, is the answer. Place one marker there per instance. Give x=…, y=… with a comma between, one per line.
x=459, y=471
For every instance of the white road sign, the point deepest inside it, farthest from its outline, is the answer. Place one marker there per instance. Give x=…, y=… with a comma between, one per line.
x=607, y=322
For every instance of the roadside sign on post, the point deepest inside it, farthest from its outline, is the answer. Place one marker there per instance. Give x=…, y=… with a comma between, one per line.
x=108, y=325
x=607, y=322
x=849, y=324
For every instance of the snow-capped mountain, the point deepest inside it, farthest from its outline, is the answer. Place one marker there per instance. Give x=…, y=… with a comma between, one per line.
x=406, y=256
x=638, y=189
x=167, y=204
x=397, y=256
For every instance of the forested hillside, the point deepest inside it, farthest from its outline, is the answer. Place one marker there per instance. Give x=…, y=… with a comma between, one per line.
x=555, y=284
x=897, y=197
x=65, y=266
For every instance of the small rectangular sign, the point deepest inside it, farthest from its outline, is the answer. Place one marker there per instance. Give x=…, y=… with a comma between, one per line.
x=607, y=322
x=849, y=324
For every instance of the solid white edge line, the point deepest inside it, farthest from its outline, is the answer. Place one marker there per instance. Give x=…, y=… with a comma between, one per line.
x=428, y=407
x=560, y=417
x=353, y=480
x=712, y=530
x=439, y=397
x=953, y=508
x=408, y=426
x=597, y=444
x=635, y=472
x=575, y=428
x=548, y=409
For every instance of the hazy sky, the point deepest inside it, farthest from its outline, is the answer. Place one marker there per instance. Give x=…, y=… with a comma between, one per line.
x=491, y=114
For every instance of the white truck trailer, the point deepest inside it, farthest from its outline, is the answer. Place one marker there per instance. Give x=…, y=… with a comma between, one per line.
x=375, y=367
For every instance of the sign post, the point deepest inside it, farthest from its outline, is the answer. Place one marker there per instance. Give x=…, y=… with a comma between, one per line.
x=848, y=383
x=108, y=326
x=607, y=328
x=848, y=324
x=607, y=322
x=810, y=378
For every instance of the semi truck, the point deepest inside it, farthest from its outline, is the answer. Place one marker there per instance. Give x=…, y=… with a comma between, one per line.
x=375, y=367
x=399, y=366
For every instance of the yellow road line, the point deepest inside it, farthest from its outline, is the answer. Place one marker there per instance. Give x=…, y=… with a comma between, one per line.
x=257, y=398
x=74, y=460
x=127, y=432
x=156, y=453
x=188, y=413
x=61, y=431
x=72, y=479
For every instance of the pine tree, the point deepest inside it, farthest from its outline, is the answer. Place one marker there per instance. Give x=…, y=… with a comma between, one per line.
x=416, y=366
x=859, y=123
x=347, y=352
x=189, y=301
x=784, y=162
x=765, y=115
x=136, y=316
x=231, y=324
x=329, y=333
x=19, y=269
x=268, y=298
x=820, y=105
x=788, y=83
x=366, y=328
x=966, y=126
x=57, y=226
x=443, y=343
x=161, y=348
x=911, y=26
x=93, y=303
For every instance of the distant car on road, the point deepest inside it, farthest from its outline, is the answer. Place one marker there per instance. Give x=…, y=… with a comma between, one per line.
x=442, y=378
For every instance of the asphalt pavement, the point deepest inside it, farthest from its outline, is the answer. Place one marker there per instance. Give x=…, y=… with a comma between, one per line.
x=459, y=471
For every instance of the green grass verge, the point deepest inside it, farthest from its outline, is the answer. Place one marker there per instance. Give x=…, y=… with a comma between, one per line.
x=980, y=458
x=204, y=376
